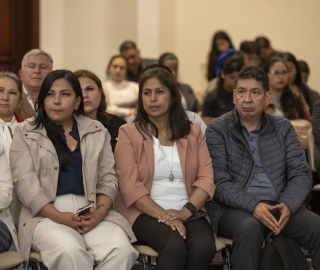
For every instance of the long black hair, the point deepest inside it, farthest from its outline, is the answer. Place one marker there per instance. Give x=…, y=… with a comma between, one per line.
x=290, y=105
x=178, y=120
x=214, y=53
x=42, y=119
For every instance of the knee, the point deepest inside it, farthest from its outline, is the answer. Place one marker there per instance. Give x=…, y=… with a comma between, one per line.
x=174, y=245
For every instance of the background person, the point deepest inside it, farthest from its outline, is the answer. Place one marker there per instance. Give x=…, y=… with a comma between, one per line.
x=221, y=42
x=287, y=103
x=68, y=163
x=128, y=49
x=165, y=175
x=122, y=95
x=189, y=100
x=95, y=105
x=36, y=65
x=295, y=81
x=220, y=100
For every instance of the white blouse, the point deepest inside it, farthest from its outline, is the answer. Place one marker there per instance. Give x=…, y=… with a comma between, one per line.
x=121, y=97
x=5, y=135
x=6, y=185
x=168, y=194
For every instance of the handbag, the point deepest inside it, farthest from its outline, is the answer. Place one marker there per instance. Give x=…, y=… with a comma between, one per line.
x=302, y=127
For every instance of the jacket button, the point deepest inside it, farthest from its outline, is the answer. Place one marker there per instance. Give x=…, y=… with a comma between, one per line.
x=24, y=224
x=26, y=134
x=56, y=167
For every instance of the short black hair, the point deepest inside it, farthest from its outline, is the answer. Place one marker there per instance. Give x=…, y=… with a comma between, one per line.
x=262, y=42
x=254, y=73
x=127, y=45
x=249, y=47
x=304, y=67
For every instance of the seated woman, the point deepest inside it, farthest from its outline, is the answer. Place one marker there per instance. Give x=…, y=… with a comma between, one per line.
x=7, y=229
x=10, y=102
x=284, y=102
x=165, y=175
x=67, y=164
x=220, y=100
x=94, y=101
x=295, y=80
x=221, y=42
x=189, y=100
x=122, y=95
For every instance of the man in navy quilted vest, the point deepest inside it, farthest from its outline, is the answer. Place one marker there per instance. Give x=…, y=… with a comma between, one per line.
x=261, y=174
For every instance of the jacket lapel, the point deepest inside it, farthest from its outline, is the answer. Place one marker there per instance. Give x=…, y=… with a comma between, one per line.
x=182, y=146
x=148, y=148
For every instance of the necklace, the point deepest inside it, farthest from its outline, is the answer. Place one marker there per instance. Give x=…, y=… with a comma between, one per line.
x=171, y=176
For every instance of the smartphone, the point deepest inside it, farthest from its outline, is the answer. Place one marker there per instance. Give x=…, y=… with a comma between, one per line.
x=85, y=209
x=197, y=215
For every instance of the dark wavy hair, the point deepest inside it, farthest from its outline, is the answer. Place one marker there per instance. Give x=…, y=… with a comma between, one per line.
x=101, y=110
x=42, y=120
x=232, y=63
x=289, y=57
x=290, y=105
x=214, y=53
x=178, y=120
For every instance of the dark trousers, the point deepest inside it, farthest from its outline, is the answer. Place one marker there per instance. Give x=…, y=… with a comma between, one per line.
x=175, y=253
x=248, y=234
x=5, y=237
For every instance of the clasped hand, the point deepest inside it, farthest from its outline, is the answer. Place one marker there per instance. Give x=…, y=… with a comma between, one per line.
x=262, y=212
x=84, y=223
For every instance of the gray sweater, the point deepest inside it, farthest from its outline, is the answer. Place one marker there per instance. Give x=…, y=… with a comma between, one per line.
x=281, y=155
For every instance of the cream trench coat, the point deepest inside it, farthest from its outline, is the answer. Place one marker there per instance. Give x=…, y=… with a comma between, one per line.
x=6, y=194
x=35, y=168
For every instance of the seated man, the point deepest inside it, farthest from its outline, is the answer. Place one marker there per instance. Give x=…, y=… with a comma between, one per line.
x=261, y=174
x=136, y=64
x=36, y=65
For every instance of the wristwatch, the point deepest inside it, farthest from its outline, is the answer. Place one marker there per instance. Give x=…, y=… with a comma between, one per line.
x=190, y=207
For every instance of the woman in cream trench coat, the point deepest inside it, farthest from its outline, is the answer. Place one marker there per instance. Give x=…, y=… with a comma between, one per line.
x=35, y=171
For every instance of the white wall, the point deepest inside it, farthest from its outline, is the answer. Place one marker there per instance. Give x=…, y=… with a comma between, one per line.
x=84, y=34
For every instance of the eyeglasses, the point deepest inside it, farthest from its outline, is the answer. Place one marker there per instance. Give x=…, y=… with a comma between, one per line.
x=277, y=73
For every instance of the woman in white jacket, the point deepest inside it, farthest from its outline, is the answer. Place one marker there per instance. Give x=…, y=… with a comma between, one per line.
x=7, y=230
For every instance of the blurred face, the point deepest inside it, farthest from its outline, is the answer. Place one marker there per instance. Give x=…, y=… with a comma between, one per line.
x=251, y=59
x=278, y=76
x=304, y=77
x=133, y=59
x=10, y=98
x=292, y=72
x=34, y=70
x=228, y=80
x=91, y=96
x=222, y=45
x=156, y=99
x=172, y=64
x=250, y=99
x=60, y=102
x=117, y=70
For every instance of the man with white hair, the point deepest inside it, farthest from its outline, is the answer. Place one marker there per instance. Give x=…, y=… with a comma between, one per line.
x=36, y=65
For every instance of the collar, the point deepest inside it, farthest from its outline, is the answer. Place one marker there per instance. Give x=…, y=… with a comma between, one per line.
x=29, y=99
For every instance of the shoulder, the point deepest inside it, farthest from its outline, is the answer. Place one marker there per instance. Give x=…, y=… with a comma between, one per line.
x=223, y=121
x=88, y=125
x=185, y=87
x=116, y=120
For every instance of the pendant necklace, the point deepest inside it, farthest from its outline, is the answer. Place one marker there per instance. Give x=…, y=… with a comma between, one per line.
x=171, y=176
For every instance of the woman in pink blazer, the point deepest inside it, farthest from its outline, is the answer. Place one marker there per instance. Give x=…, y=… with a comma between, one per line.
x=165, y=175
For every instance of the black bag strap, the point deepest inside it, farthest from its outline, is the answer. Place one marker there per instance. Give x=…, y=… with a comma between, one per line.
x=299, y=258
x=283, y=250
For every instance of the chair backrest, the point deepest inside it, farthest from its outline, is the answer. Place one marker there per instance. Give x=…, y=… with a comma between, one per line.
x=311, y=150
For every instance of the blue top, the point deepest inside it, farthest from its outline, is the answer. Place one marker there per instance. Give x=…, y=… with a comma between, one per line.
x=260, y=184
x=70, y=180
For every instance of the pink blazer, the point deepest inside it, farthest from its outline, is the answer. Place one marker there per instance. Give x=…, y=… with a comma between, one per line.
x=134, y=165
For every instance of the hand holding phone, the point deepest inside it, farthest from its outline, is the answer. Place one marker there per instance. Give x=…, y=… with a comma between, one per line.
x=84, y=210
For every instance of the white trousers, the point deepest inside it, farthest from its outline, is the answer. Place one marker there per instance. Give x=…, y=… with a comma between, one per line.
x=106, y=246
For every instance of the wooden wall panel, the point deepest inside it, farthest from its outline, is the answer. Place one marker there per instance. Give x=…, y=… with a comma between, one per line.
x=19, y=31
